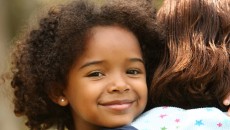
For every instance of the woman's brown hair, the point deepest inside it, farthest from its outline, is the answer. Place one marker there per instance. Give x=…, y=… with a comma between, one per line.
x=195, y=71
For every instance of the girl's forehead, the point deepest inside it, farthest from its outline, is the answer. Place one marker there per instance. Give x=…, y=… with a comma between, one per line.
x=94, y=30
x=110, y=37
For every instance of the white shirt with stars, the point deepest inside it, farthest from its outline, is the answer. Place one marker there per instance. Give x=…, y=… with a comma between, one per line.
x=172, y=118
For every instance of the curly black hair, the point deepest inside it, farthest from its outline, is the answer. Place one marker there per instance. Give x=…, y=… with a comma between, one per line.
x=44, y=57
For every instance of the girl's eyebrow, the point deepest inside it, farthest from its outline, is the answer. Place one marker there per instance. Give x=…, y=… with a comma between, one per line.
x=90, y=63
x=99, y=62
x=136, y=60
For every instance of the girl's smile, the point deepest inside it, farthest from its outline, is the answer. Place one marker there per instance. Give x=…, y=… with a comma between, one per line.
x=118, y=105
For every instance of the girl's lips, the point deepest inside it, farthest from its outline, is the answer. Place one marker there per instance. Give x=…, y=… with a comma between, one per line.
x=118, y=104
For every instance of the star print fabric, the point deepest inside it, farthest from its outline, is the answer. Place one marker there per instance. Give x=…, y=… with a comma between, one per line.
x=172, y=118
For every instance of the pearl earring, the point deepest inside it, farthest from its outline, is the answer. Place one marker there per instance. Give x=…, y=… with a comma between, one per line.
x=62, y=101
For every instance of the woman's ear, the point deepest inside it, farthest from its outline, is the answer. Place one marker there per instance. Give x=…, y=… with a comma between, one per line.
x=56, y=94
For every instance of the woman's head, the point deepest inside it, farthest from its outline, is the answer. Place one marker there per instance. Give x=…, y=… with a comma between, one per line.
x=43, y=61
x=195, y=72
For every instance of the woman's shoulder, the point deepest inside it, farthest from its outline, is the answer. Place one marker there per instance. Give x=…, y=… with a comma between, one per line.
x=176, y=118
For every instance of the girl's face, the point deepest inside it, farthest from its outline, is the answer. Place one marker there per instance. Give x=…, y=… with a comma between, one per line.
x=107, y=85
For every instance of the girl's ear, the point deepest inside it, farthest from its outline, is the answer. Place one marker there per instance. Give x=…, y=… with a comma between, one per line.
x=56, y=94
x=62, y=101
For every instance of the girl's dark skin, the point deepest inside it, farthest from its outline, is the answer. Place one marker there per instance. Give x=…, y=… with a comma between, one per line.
x=43, y=59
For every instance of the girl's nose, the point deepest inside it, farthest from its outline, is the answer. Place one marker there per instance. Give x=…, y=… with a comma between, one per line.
x=118, y=85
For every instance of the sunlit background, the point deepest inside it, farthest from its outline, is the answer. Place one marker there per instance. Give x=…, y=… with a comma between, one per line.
x=15, y=15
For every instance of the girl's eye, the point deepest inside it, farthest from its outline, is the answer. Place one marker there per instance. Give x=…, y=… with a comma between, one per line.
x=95, y=74
x=133, y=71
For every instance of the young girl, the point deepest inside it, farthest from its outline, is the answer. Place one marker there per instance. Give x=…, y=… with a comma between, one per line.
x=85, y=66
x=196, y=71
